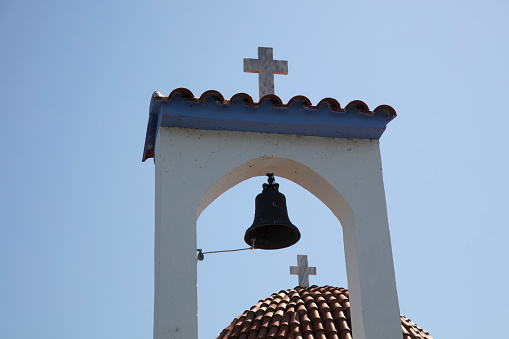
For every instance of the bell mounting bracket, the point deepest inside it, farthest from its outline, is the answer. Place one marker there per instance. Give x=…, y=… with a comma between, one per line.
x=272, y=185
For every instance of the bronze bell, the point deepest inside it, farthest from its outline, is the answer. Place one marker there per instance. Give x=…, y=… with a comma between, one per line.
x=271, y=228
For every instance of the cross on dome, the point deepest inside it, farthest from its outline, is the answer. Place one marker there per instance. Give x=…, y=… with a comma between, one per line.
x=266, y=67
x=302, y=270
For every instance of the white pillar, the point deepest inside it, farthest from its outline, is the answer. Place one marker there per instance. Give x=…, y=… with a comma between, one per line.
x=175, y=302
x=194, y=167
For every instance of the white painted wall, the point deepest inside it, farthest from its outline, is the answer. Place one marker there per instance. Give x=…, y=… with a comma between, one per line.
x=194, y=167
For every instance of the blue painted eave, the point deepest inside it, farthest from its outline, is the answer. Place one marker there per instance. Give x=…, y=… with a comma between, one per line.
x=298, y=117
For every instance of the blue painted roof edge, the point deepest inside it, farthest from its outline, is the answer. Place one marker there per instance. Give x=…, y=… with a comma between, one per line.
x=212, y=112
x=150, y=136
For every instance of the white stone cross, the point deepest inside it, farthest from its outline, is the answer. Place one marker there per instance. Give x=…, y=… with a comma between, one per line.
x=302, y=270
x=266, y=67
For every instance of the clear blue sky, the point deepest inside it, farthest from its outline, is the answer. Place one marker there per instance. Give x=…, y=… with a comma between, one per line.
x=77, y=203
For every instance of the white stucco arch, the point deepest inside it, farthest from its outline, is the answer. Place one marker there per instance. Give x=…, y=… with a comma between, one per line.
x=194, y=167
x=289, y=169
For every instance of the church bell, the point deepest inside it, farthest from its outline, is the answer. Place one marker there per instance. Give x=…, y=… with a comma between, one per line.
x=271, y=228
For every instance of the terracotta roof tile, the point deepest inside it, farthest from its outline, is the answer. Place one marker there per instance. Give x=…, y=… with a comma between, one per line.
x=272, y=332
x=247, y=100
x=262, y=334
x=257, y=324
x=304, y=313
x=304, y=319
x=317, y=325
x=244, y=106
x=266, y=322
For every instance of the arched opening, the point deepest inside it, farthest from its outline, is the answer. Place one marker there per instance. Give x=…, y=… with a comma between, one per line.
x=229, y=283
x=283, y=168
x=190, y=174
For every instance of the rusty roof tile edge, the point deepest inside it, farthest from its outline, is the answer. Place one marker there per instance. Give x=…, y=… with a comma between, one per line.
x=360, y=105
x=245, y=98
x=307, y=102
x=187, y=95
x=332, y=103
x=211, y=93
x=183, y=92
x=390, y=112
x=150, y=136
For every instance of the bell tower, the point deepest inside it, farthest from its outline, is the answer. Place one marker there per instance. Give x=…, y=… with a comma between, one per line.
x=202, y=146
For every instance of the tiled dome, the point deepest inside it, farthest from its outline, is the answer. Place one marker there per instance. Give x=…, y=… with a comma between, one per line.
x=307, y=313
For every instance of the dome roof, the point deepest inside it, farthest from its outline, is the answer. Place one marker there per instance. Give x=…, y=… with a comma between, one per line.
x=304, y=313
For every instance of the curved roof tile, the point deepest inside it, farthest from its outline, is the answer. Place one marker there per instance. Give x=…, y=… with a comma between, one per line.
x=296, y=121
x=324, y=312
x=272, y=98
x=243, y=97
x=333, y=104
x=182, y=92
x=215, y=95
x=248, y=100
x=298, y=98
